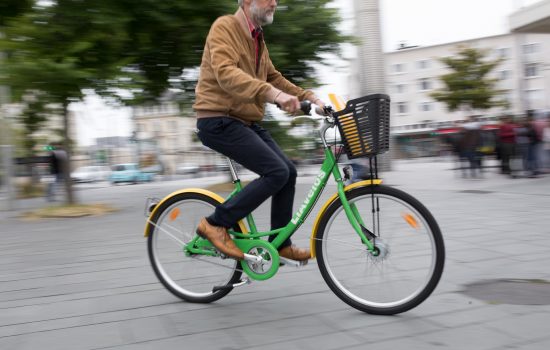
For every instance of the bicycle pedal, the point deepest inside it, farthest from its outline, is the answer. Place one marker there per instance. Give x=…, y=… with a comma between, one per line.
x=290, y=262
x=231, y=286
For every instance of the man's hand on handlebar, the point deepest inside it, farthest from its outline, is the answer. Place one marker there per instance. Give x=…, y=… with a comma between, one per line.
x=287, y=103
x=291, y=104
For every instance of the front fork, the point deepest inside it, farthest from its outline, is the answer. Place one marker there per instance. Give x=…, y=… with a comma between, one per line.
x=353, y=215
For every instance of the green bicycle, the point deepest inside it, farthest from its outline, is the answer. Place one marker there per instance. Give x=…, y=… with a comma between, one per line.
x=378, y=248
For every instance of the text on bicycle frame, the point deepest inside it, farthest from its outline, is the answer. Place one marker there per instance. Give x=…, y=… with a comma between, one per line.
x=310, y=195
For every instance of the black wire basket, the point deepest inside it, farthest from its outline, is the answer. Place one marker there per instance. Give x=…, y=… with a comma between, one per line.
x=364, y=126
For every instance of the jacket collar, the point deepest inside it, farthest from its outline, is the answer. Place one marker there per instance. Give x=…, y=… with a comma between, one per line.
x=245, y=23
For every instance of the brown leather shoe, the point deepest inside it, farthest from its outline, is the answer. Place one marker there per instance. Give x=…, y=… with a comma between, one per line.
x=220, y=239
x=294, y=253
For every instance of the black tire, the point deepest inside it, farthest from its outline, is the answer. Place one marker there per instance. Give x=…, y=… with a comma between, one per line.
x=158, y=229
x=415, y=252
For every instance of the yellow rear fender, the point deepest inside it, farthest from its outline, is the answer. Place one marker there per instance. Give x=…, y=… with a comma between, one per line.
x=328, y=203
x=207, y=193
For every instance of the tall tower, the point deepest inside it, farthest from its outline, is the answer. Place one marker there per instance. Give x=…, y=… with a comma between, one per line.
x=370, y=55
x=370, y=65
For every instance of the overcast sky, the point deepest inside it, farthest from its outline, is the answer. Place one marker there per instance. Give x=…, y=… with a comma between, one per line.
x=429, y=22
x=415, y=22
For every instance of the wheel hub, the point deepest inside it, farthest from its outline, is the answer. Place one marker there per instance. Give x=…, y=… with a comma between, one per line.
x=381, y=250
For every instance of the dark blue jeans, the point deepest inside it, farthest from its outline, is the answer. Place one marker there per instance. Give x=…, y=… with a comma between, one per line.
x=253, y=147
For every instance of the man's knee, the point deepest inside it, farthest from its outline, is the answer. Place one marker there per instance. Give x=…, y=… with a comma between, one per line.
x=292, y=174
x=279, y=176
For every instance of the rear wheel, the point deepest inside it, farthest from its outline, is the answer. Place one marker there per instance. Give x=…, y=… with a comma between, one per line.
x=191, y=278
x=409, y=258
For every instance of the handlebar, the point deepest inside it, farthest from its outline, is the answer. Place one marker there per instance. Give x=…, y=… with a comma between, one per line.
x=305, y=107
x=326, y=114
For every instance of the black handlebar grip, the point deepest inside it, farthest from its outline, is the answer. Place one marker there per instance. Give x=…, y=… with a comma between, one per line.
x=305, y=106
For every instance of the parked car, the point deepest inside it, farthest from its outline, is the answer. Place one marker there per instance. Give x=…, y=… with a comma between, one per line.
x=91, y=173
x=187, y=168
x=129, y=172
x=154, y=169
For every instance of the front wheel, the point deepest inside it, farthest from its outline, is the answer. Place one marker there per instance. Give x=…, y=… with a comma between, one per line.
x=189, y=277
x=408, y=260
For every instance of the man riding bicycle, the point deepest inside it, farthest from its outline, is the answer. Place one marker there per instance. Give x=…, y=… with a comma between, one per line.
x=236, y=79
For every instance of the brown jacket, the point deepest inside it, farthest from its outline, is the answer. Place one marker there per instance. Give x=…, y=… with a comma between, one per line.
x=228, y=82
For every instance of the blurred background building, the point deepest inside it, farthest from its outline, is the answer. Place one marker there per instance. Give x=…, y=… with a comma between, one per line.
x=165, y=136
x=413, y=73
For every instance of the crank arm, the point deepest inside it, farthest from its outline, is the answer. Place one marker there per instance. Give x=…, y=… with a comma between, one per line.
x=253, y=258
x=231, y=286
x=290, y=262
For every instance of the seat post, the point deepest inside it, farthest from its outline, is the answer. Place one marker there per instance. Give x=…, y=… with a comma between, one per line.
x=232, y=169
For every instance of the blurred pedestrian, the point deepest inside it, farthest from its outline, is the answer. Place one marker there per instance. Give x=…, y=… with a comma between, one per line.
x=360, y=169
x=527, y=141
x=58, y=162
x=535, y=142
x=546, y=143
x=470, y=144
x=506, y=144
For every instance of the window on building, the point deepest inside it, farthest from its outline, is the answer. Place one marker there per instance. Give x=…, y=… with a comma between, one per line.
x=400, y=88
x=503, y=52
x=530, y=48
x=402, y=107
x=424, y=84
x=399, y=68
x=423, y=64
x=504, y=74
x=531, y=70
x=425, y=106
x=156, y=126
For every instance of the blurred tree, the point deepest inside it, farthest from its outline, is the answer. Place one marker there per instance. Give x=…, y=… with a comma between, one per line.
x=13, y=8
x=33, y=117
x=291, y=145
x=303, y=32
x=135, y=51
x=467, y=85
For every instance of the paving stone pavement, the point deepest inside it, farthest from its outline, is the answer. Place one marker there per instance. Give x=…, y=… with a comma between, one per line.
x=86, y=283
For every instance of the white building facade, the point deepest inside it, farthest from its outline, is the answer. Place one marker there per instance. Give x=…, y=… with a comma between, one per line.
x=413, y=73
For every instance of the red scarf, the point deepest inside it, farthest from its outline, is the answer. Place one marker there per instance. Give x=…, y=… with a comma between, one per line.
x=258, y=36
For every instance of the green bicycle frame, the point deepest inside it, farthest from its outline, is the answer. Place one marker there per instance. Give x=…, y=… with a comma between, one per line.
x=328, y=167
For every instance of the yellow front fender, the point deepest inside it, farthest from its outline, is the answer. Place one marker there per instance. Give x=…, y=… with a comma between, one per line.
x=210, y=194
x=329, y=202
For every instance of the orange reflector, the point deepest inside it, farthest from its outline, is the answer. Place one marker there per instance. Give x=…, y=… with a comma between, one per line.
x=410, y=220
x=174, y=214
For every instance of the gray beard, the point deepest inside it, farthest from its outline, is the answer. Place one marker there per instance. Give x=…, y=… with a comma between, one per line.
x=259, y=16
